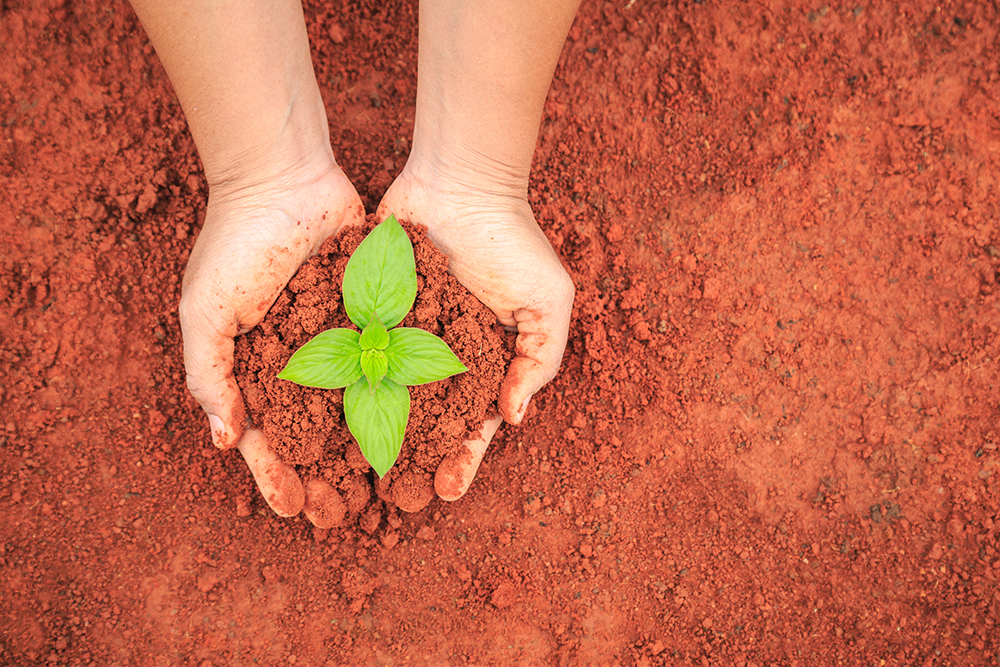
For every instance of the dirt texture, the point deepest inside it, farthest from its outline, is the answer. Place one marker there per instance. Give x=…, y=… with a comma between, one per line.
x=774, y=437
x=306, y=426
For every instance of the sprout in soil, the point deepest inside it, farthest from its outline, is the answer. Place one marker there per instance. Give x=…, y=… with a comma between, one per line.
x=377, y=365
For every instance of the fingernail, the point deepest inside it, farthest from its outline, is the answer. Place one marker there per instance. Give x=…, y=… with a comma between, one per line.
x=218, y=430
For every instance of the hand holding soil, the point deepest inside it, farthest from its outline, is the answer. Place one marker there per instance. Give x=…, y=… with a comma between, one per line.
x=252, y=243
x=497, y=251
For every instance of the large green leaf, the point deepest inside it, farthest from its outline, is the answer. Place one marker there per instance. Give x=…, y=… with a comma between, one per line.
x=330, y=360
x=377, y=420
x=381, y=276
x=418, y=357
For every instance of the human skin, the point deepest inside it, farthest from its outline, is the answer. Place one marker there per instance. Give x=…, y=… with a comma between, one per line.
x=243, y=75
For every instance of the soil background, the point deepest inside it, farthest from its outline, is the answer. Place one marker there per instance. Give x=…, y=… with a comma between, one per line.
x=774, y=437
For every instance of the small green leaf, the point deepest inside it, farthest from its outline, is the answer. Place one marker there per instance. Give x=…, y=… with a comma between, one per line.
x=375, y=336
x=418, y=357
x=377, y=420
x=330, y=360
x=381, y=276
x=373, y=365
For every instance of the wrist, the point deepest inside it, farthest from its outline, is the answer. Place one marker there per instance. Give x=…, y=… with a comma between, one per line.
x=460, y=168
x=289, y=145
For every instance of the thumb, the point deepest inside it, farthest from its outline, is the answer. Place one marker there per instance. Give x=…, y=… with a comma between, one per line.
x=456, y=472
x=525, y=377
x=208, y=361
x=539, y=348
x=278, y=482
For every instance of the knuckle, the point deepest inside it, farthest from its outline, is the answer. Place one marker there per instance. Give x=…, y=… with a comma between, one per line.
x=197, y=386
x=189, y=308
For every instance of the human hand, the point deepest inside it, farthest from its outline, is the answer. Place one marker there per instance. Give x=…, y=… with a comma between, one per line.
x=257, y=233
x=497, y=251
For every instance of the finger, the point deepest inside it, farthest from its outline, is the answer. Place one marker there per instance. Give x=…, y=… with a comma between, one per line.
x=277, y=481
x=539, y=348
x=457, y=471
x=323, y=505
x=208, y=360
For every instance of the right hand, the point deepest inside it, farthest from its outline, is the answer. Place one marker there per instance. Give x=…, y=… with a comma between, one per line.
x=257, y=233
x=497, y=251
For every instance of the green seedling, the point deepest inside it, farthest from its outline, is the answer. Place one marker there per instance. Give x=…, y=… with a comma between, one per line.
x=376, y=366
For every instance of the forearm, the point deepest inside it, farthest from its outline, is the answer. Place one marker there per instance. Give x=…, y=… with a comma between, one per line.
x=484, y=71
x=243, y=75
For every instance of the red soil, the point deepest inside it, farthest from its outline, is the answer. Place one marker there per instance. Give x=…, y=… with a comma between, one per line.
x=774, y=437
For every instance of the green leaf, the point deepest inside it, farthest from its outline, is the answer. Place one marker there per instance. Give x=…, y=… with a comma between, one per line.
x=377, y=420
x=373, y=365
x=330, y=360
x=381, y=276
x=375, y=336
x=418, y=357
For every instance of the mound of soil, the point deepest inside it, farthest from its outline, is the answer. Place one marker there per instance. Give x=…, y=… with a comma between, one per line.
x=306, y=426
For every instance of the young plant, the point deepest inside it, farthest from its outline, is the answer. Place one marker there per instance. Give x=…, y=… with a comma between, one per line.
x=376, y=365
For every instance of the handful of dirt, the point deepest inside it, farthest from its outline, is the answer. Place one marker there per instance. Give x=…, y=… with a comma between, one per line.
x=306, y=426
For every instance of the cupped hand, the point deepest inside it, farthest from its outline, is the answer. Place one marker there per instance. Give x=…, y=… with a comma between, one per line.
x=497, y=251
x=255, y=237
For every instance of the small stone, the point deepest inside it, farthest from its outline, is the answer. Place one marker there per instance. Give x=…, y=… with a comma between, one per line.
x=242, y=506
x=207, y=581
